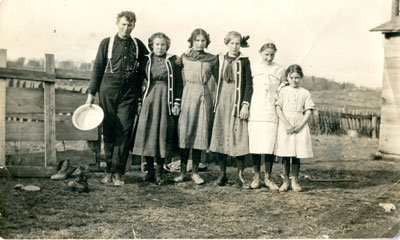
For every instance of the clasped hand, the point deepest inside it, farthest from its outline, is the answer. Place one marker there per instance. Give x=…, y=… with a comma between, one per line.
x=244, y=112
x=176, y=110
x=292, y=130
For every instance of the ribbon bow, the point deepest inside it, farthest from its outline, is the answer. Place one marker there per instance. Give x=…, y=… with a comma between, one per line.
x=243, y=41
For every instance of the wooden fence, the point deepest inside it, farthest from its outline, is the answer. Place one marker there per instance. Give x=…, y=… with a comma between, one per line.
x=38, y=105
x=345, y=120
x=33, y=108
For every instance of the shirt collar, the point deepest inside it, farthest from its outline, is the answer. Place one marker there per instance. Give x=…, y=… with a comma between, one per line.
x=117, y=37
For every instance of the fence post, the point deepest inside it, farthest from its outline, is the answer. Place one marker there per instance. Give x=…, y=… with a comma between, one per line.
x=316, y=117
x=3, y=87
x=374, y=120
x=49, y=114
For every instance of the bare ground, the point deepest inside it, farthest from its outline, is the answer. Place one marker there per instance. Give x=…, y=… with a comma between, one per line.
x=343, y=186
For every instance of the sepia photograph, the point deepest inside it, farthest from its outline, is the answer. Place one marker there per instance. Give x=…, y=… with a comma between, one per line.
x=200, y=119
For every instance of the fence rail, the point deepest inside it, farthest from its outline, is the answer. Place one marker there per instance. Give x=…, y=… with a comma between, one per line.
x=38, y=106
x=344, y=120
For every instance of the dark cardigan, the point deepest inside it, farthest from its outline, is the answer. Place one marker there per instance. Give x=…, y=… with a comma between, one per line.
x=175, y=83
x=243, y=81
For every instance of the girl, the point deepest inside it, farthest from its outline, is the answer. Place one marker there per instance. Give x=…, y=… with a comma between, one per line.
x=293, y=106
x=263, y=121
x=234, y=90
x=195, y=120
x=161, y=101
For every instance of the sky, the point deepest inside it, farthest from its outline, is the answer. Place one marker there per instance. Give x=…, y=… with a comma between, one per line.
x=328, y=38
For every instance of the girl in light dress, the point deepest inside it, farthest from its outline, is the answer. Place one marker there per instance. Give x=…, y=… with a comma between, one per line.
x=293, y=107
x=195, y=120
x=263, y=121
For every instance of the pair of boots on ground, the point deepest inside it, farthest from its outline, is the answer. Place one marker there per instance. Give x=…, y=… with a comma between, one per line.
x=66, y=170
x=156, y=175
x=113, y=178
x=240, y=164
x=196, y=156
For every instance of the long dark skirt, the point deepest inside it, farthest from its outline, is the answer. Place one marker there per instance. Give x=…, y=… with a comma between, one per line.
x=155, y=130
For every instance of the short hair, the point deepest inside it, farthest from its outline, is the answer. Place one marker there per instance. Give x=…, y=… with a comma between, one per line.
x=294, y=68
x=197, y=32
x=269, y=45
x=130, y=16
x=158, y=35
x=231, y=35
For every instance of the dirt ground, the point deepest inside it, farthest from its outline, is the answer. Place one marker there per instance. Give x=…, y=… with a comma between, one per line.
x=343, y=186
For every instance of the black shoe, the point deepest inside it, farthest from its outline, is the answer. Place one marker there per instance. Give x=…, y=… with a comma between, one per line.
x=150, y=177
x=79, y=184
x=222, y=180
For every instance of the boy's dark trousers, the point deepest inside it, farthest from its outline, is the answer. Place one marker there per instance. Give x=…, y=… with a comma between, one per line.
x=118, y=98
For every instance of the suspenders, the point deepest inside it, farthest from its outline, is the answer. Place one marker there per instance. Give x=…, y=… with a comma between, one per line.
x=110, y=48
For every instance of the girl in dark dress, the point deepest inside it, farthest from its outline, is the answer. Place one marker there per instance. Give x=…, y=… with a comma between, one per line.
x=161, y=102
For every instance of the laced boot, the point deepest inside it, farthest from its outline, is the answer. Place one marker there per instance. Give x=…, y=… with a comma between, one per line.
x=79, y=184
x=270, y=183
x=240, y=168
x=256, y=165
x=295, y=185
x=150, y=174
x=195, y=172
x=285, y=186
x=64, y=171
x=256, y=181
x=159, y=175
x=117, y=180
x=107, y=179
x=222, y=179
x=183, y=174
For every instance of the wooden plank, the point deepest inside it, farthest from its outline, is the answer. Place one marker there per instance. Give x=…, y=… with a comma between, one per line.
x=49, y=64
x=49, y=124
x=29, y=171
x=72, y=74
x=34, y=131
x=317, y=127
x=26, y=116
x=65, y=130
x=24, y=131
x=3, y=87
x=75, y=158
x=3, y=58
x=68, y=102
x=25, y=159
x=3, y=97
x=26, y=74
x=30, y=100
x=25, y=100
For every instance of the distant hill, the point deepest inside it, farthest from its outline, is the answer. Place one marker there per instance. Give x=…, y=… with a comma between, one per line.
x=335, y=94
x=354, y=98
x=313, y=83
